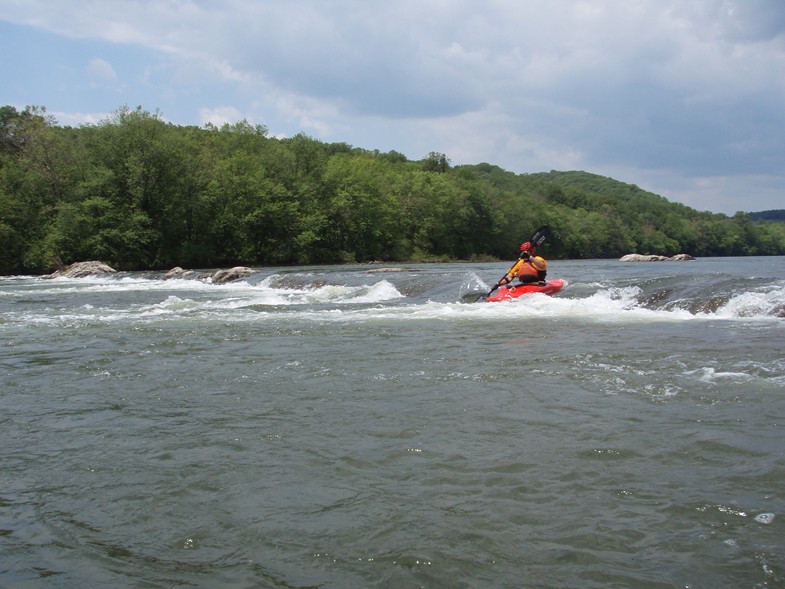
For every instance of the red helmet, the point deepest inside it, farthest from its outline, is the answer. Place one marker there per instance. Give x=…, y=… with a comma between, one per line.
x=525, y=247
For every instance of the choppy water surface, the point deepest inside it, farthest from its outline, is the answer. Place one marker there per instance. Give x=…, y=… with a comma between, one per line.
x=335, y=427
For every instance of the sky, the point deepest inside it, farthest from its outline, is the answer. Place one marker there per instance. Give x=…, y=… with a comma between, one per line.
x=684, y=99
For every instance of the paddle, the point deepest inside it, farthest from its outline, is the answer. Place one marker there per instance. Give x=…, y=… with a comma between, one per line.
x=537, y=239
x=540, y=236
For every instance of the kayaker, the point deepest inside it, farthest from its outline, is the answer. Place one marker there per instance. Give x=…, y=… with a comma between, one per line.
x=529, y=269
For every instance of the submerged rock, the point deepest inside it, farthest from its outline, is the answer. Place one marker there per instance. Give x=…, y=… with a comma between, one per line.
x=178, y=272
x=379, y=270
x=642, y=258
x=655, y=258
x=236, y=273
x=217, y=277
x=83, y=269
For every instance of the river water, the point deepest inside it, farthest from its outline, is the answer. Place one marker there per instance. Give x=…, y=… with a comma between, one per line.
x=351, y=427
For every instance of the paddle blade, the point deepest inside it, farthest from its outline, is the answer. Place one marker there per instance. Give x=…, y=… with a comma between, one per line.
x=474, y=297
x=540, y=236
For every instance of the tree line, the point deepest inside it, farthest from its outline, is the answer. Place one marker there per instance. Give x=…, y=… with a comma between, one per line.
x=139, y=193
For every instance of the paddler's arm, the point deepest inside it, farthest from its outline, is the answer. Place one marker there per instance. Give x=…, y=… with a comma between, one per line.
x=512, y=272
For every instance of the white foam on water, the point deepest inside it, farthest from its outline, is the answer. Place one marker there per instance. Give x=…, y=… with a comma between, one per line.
x=755, y=304
x=765, y=518
x=187, y=296
x=378, y=292
x=607, y=305
x=172, y=304
x=261, y=296
x=96, y=284
x=708, y=374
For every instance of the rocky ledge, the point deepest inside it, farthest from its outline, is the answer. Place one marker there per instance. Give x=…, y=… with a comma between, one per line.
x=83, y=269
x=218, y=277
x=236, y=273
x=655, y=258
x=93, y=268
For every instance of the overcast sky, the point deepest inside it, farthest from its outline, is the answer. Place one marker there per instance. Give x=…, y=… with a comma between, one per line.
x=683, y=98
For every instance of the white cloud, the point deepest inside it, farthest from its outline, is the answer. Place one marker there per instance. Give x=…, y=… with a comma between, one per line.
x=219, y=116
x=101, y=71
x=75, y=119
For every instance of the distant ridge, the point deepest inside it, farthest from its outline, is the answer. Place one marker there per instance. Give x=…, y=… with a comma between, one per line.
x=773, y=215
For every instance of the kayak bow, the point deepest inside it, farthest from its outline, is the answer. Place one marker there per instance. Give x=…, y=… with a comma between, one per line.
x=507, y=293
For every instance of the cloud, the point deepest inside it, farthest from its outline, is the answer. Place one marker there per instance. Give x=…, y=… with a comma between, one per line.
x=222, y=115
x=74, y=119
x=100, y=71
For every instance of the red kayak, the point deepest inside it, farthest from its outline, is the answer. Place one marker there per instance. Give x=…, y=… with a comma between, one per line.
x=507, y=293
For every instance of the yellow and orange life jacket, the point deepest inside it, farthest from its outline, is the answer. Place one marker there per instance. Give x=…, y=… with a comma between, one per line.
x=534, y=266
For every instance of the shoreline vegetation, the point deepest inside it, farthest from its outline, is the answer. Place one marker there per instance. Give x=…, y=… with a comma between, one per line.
x=139, y=193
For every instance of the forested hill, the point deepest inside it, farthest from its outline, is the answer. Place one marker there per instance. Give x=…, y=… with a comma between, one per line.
x=596, y=216
x=774, y=215
x=136, y=192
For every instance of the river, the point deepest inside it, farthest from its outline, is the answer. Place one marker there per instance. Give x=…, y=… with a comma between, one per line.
x=361, y=426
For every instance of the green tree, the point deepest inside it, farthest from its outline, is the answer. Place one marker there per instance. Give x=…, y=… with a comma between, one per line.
x=95, y=229
x=436, y=162
x=363, y=213
x=138, y=192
